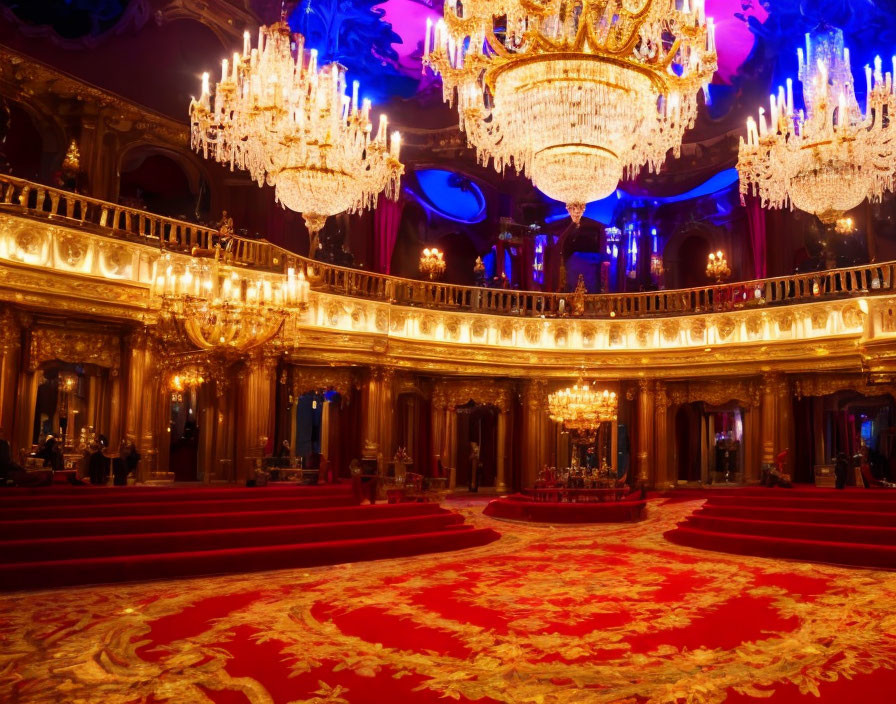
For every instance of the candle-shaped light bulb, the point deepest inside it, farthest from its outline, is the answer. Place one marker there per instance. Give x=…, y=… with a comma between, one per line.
x=247, y=46
x=878, y=70
x=236, y=66
x=789, y=97
x=711, y=34
x=842, y=116
x=762, y=125
x=205, y=88
x=312, y=61
x=395, y=145
x=381, y=133
x=224, y=65
x=355, y=86
x=426, y=39
x=869, y=84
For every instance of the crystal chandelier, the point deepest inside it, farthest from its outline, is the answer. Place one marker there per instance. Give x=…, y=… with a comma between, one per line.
x=575, y=94
x=581, y=409
x=226, y=312
x=827, y=158
x=291, y=125
x=432, y=263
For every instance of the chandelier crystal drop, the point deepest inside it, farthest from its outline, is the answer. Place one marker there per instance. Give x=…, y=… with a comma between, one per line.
x=581, y=408
x=576, y=94
x=290, y=124
x=831, y=156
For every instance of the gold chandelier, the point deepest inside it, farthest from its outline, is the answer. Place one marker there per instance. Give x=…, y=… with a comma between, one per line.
x=581, y=409
x=717, y=266
x=292, y=126
x=575, y=94
x=432, y=263
x=227, y=312
x=829, y=158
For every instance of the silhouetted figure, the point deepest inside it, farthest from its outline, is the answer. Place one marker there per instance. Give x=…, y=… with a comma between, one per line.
x=841, y=469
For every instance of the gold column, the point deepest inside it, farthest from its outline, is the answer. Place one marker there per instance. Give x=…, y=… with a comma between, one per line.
x=784, y=422
x=768, y=414
x=437, y=420
x=256, y=410
x=378, y=412
x=501, y=474
x=534, y=447
x=661, y=439
x=143, y=386
x=645, y=430
x=10, y=359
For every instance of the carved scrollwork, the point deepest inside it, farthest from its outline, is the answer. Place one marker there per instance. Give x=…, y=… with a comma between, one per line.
x=851, y=315
x=319, y=379
x=725, y=327
x=697, y=329
x=479, y=329
x=74, y=347
x=452, y=328
x=826, y=384
x=819, y=318
x=71, y=249
x=561, y=335
x=533, y=333
x=589, y=335
x=643, y=332
x=670, y=330
x=427, y=324
x=506, y=331
x=333, y=311
x=359, y=317
x=485, y=392
x=381, y=321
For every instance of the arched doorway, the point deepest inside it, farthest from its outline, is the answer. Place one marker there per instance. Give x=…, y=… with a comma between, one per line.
x=687, y=443
x=163, y=182
x=477, y=445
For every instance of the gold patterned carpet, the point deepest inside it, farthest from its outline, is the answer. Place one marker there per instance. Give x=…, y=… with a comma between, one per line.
x=566, y=615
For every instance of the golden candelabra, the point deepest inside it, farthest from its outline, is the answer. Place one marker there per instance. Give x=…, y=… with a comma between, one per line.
x=432, y=263
x=225, y=310
x=717, y=267
x=575, y=95
x=291, y=125
x=832, y=156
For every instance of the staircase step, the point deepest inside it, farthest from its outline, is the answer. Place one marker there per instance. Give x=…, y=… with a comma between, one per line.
x=871, y=535
x=45, y=550
x=176, y=521
x=59, y=573
x=263, y=503
x=853, y=554
x=802, y=515
x=837, y=503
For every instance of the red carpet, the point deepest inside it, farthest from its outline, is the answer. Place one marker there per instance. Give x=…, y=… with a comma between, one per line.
x=85, y=536
x=603, y=614
x=855, y=527
x=519, y=507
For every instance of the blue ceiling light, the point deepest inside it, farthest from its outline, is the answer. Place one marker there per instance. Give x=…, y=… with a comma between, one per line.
x=450, y=195
x=602, y=210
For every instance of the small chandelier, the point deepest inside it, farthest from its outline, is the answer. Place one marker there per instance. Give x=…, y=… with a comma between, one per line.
x=575, y=95
x=581, y=409
x=188, y=378
x=223, y=311
x=292, y=126
x=832, y=156
x=717, y=267
x=432, y=263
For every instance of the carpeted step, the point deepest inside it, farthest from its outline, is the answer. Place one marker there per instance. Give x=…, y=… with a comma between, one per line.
x=841, y=553
x=159, y=505
x=802, y=515
x=871, y=535
x=172, y=522
x=83, y=496
x=42, y=550
x=841, y=503
x=59, y=573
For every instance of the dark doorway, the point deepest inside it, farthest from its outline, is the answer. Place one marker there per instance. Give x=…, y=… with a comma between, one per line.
x=477, y=424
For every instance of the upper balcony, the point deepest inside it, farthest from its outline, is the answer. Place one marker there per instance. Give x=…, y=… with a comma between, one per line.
x=838, y=319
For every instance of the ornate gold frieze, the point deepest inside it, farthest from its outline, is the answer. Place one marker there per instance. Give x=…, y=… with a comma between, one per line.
x=826, y=384
x=454, y=393
x=318, y=379
x=73, y=347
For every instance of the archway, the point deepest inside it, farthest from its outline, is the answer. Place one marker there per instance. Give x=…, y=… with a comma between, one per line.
x=163, y=182
x=477, y=445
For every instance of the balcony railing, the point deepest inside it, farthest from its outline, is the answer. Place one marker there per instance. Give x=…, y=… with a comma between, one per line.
x=121, y=222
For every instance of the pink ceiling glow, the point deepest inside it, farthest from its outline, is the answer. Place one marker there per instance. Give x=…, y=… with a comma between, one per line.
x=408, y=18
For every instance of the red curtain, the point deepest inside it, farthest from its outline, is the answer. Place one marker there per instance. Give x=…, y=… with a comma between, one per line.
x=756, y=220
x=385, y=231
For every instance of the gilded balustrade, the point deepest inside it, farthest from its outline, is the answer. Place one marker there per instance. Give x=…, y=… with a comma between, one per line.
x=115, y=221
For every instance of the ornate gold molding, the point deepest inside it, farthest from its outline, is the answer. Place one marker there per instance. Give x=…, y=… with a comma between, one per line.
x=482, y=392
x=318, y=379
x=826, y=384
x=73, y=347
